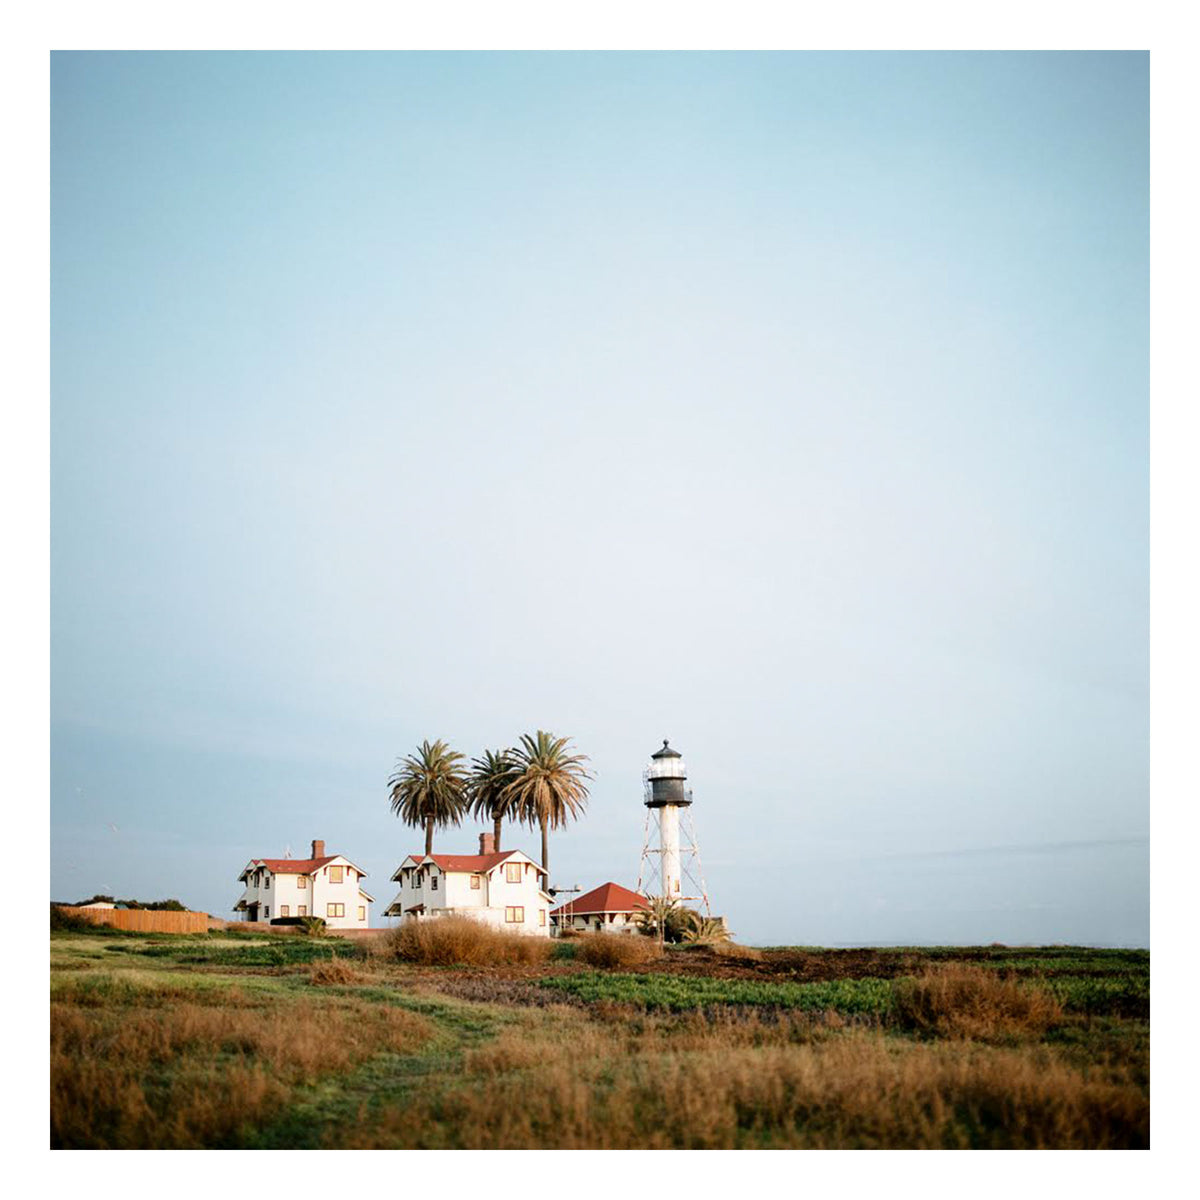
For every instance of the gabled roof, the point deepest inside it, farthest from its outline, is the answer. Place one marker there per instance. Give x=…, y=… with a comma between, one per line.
x=467, y=863
x=293, y=866
x=297, y=866
x=607, y=898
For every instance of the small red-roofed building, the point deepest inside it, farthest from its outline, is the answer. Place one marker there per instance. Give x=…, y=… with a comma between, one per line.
x=503, y=889
x=325, y=885
x=610, y=908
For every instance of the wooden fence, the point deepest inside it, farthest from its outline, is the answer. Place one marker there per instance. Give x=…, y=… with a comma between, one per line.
x=144, y=920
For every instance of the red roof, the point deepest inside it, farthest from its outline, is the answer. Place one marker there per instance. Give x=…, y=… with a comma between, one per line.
x=607, y=898
x=467, y=862
x=294, y=866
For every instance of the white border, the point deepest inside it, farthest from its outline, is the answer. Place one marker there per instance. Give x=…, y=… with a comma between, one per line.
x=624, y=25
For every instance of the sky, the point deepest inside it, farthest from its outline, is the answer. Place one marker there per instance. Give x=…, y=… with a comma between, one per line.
x=792, y=406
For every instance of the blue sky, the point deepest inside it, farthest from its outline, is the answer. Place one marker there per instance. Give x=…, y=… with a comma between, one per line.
x=792, y=406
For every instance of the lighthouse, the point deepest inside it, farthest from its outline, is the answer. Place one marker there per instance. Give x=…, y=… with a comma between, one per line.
x=668, y=802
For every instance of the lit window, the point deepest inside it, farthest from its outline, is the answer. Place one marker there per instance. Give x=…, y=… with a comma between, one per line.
x=284, y=910
x=514, y=915
x=335, y=874
x=335, y=910
x=302, y=910
x=362, y=912
x=541, y=916
x=512, y=872
x=302, y=882
x=474, y=883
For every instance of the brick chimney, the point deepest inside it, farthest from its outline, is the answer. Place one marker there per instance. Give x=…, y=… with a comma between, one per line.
x=318, y=849
x=487, y=843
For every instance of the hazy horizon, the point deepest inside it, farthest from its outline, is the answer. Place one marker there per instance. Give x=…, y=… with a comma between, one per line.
x=792, y=406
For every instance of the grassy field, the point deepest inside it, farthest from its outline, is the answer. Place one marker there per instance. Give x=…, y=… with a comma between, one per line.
x=226, y=1040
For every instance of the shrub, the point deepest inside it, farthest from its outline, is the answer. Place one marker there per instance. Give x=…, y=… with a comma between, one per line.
x=615, y=950
x=68, y=922
x=444, y=941
x=965, y=1001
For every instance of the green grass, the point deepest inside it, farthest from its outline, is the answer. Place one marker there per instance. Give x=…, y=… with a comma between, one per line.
x=678, y=993
x=244, y=952
x=1127, y=994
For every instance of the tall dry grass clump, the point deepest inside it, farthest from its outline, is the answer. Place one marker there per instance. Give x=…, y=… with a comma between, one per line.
x=614, y=951
x=958, y=1000
x=334, y=972
x=447, y=941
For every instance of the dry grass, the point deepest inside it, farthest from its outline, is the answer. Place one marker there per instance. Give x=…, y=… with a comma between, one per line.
x=962, y=1001
x=189, y=1074
x=616, y=950
x=446, y=941
x=732, y=950
x=567, y=1082
x=335, y=972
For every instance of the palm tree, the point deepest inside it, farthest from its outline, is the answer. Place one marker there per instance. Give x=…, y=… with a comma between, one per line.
x=549, y=788
x=490, y=775
x=429, y=788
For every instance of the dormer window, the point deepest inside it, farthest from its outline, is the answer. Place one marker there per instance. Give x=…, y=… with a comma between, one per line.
x=335, y=874
x=512, y=872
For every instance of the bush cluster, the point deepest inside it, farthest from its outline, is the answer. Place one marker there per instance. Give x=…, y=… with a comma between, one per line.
x=615, y=950
x=446, y=941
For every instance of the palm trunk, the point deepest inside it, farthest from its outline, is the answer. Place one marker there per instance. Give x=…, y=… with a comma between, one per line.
x=428, y=835
x=545, y=854
x=496, y=833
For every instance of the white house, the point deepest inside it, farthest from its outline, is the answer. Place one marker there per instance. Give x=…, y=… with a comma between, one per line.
x=503, y=889
x=328, y=886
x=610, y=908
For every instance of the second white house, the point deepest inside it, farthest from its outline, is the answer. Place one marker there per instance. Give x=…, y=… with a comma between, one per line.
x=504, y=889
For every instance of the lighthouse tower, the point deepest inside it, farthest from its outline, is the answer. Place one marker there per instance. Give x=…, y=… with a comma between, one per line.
x=668, y=814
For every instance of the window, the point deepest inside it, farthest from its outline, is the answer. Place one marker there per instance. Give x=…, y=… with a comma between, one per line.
x=362, y=912
x=335, y=910
x=302, y=882
x=267, y=881
x=541, y=916
x=433, y=883
x=474, y=883
x=284, y=910
x=335, y=874
x=302, y=911
x=512, y=872
x=514, y=915
x=267, y=911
